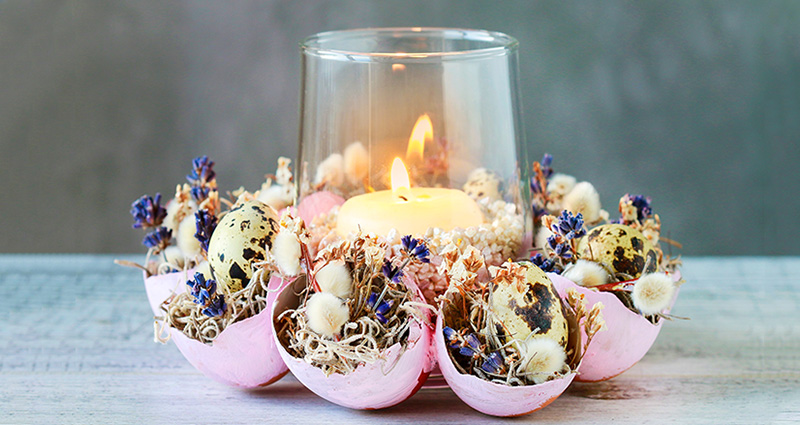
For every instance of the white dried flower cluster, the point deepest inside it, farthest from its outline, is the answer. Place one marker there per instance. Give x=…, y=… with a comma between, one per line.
x=326, y=314
x=560, y=184
x=334, y=278
x=482, y=183
x=542, y=357
x=586, y=273
x=497, y=239
x=280, y=193
x=653, y=292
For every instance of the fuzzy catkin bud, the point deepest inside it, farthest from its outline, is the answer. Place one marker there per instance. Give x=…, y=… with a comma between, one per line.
x=653, y=292
x=334, y=278
x=326, y=314
x=586, y=273
x=287, y=253
x=542, y=357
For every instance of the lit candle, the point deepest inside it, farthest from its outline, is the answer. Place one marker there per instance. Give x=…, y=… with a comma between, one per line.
x=409, y=210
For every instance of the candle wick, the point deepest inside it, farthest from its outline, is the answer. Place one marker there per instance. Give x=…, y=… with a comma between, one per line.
x=403, y=198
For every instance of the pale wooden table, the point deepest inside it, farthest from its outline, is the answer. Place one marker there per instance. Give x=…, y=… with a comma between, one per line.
x=77, y=347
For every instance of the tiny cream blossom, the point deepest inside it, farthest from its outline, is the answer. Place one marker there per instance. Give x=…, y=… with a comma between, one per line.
x=179, y=207
x=326, y=314
x=283, y=175
x=653, y=292
x=356, y=162
x=560, y=184
x=583, y=199
x=286, y=251
x=330, y=171
x=586, y=273
x=334, y=278
x=542, y=357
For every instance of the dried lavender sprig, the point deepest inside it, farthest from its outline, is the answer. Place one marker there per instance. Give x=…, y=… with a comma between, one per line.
x=147, y=212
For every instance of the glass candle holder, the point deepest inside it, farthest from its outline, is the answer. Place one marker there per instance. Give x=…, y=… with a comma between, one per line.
x=413, y=131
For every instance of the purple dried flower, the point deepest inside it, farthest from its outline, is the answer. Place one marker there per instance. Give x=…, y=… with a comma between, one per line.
x=199, y=193
x=416, y=248
x=546, y=264
x=471, y=347
x=536, y=187
x=205, y=223
x=452, y=337
x=391, y=272
x=563, y=250
x=158, y=239
x=202, y=171
x=216, y=307
x=493, y=364
x=547, y=161
x=147, y=212
x=382, y=308
x=569, y=226
x=201, y=289
x=642, y=204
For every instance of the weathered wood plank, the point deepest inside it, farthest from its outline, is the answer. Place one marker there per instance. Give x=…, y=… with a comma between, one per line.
x=77, y=348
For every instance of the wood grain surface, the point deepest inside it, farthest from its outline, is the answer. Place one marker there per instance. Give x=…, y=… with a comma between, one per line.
x=77, y=347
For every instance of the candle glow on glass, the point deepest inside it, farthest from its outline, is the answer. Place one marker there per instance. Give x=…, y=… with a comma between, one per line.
x=423, y=130
x=411, y=211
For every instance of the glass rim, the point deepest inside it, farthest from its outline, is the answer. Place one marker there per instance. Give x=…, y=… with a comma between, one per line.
x=502, y=44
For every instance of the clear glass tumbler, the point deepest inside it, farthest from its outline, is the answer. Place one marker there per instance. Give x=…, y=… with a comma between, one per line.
x=445, y=102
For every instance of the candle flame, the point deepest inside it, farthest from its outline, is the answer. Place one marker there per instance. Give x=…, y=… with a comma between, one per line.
x=423, y=130
x=399, y=175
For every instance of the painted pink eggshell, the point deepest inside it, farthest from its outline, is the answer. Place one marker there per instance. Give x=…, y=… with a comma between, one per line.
x=495, y=399
x=318, y=203
x=160, y=287
x=626, y=340
x=378, y=385
x=244, y=354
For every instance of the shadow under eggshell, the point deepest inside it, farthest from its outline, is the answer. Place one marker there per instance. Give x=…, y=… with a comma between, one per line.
x=491, y=398
x=378, y=385
x=160, y=287
x=626, y=340
x=244, y=354
x=318, y=203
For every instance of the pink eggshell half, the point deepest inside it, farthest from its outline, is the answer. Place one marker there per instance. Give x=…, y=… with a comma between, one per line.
x=318, y=203
x=160, y=287
x=244, y=354
x=384, y=383
x=626, y=340
x=496, y=399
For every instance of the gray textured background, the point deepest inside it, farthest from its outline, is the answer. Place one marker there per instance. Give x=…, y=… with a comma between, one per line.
x=696, y=104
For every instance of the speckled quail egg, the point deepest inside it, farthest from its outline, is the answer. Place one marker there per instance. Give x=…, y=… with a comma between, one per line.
x=619, y=248
x=482, y=183
x=532, y=306
x=242, y=237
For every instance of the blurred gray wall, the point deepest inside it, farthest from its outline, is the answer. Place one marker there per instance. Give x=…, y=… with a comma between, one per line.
x=696, y=104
